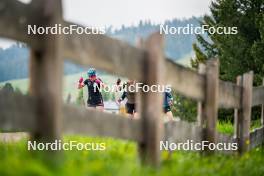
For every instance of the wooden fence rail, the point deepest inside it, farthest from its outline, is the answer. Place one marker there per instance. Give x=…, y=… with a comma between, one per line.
x=17, y=115
x=43, y=109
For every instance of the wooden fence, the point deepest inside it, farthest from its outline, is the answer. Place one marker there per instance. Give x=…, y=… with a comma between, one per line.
x=46, y=118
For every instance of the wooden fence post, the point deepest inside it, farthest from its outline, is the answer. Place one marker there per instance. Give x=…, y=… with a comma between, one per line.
x=200, y=104
x=236, y=125
x=140, y=43
x=46, y=67
x=244, y=114
x=262, y=109
x=211, y=102
x=151, y=102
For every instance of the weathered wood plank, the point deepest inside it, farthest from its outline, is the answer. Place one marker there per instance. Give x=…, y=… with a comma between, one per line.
x=200, y=104
x=91, y=122
x=104, y=53
x=151, y=102
x=185, y=81
x=256, y=137
x=211, y=101
x=258, y=96
x=181, y=131
x=14, y=18
x=191, y=84
x=229, y=95
x=226, y=139
x=244, y=114
x=17, y=112
x=109, y=53
x=46, y=67
x=236, y=112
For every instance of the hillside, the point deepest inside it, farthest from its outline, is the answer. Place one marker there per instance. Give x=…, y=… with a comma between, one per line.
x=176, y=45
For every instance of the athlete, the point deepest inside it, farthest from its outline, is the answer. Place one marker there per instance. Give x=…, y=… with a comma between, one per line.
x=167, y=103
x=95, y=99
x=131, y=98
x=118, y=92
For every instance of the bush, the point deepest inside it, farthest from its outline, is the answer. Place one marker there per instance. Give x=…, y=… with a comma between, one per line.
x=184, y=108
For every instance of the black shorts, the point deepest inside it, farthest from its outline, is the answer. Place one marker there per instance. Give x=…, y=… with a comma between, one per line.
x=166, y=109
x=130, y=108
x=94, y=106
x=95, y=103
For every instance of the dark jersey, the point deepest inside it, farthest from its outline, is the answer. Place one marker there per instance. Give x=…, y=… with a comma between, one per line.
x=167, y=97
x=130, y=95
x=94, y=94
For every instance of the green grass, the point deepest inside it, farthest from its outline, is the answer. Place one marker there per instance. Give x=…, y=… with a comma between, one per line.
x=120, y=159
x=227, y=127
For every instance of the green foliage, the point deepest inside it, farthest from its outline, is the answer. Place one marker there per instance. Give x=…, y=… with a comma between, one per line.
x=8, y=87
x=184, y=108
x=120, y=158
x=238, y=53
x=225, y=115
x=227, y=127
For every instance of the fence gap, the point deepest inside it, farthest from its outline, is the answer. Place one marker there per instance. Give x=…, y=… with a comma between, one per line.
x=244, y=114
x=209, y=118
x=46, y=67
x=151, y=102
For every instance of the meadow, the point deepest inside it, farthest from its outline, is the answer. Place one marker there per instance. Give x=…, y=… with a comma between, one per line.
x=120, y=159
x=120, y=156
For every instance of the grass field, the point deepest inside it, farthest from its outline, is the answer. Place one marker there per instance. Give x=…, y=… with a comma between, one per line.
x=120, y=159
x=227, y=127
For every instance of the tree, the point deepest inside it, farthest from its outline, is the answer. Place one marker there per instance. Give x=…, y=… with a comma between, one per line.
x=238, y=53
x=8, y=88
